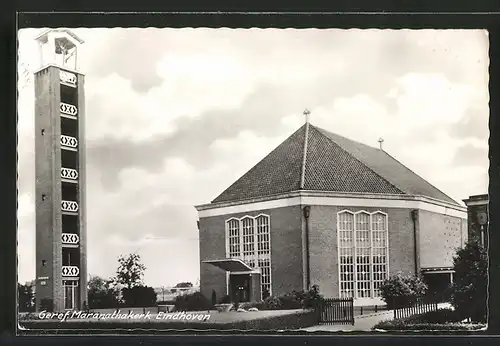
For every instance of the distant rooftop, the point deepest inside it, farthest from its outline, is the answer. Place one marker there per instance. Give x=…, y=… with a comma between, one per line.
x=477, y=198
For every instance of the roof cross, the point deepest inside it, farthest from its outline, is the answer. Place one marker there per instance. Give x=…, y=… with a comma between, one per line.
x=306, y=113
x=380, y=141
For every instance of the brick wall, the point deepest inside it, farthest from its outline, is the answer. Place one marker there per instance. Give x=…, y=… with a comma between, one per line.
x=212, y=246
x=440, y=236
x=323, y=258
x=286, y=250
x=82, y=177
x=48, y=212
x=401, y=241
x=437, y=236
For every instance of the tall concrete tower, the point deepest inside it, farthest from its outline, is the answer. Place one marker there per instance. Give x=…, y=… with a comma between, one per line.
x=61, y=248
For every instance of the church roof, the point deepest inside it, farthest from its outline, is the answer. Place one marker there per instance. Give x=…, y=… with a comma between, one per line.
x=330, y=163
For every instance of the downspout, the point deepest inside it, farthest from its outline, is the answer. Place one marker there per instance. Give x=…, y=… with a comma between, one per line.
x=307, y=211
x=416, y=240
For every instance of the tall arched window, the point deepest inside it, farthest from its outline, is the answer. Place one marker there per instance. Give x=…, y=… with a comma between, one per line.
x=248, y=241
x=233, y=227
x=253, y=233
x=362, y=248
x=379, y=250
x=346, y=254
x=264, y=253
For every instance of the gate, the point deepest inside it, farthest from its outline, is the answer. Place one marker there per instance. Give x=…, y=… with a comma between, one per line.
x=336, y=311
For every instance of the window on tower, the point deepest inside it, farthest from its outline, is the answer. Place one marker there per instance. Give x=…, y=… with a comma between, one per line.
x=69, y=159
x=69, y=192
x=70, y=223
x=69, y=127
x=69, y=95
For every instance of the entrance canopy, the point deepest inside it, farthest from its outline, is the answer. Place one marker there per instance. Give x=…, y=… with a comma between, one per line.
x=231, y=265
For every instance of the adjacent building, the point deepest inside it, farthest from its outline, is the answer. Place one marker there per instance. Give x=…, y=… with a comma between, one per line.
x=477, y=210
x=321, y=209
x=61, y=263
x=172, y=292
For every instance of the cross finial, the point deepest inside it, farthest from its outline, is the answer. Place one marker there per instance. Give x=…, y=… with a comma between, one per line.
x=306, y=113
x=380, y=141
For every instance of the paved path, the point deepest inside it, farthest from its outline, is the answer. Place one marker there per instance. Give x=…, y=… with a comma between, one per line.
x=361, y=323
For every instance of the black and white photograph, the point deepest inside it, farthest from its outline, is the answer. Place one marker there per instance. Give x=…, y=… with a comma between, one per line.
x=262, y=179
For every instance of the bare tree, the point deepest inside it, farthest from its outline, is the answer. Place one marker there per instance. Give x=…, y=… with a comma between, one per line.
x=130, y=270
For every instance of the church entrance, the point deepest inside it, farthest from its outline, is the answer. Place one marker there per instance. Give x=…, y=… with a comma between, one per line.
x=239, y=285
x=243, y=282
x=438, y=283
x=71, y=294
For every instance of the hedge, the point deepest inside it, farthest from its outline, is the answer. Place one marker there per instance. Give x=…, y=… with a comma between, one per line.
x=399, y=325
x=438, y=320
x=298, y=320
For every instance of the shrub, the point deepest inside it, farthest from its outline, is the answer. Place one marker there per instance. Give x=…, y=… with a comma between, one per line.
x=442, y=319
x=312, y=298
x=401, y=290
x=469, y=290
x=47, y=304
x=192, y=302
x=272, y=303
x=293, y=300
x=28, y=316
x=103, y=299
x=401, y=325
x=102, y=293
x=26, y=298
x=166, y=302
x=139, y=296
x=225, y=300
x=436, y=316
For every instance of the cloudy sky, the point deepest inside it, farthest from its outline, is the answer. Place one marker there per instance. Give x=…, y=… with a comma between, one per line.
x=176, y=115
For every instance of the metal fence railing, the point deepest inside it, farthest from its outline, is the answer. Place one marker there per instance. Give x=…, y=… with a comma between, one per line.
x=416, y=307
x=336, y=311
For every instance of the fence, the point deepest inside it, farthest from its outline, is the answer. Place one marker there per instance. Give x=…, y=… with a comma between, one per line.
x=336, y=311
x=417, y=307
x=369, y=309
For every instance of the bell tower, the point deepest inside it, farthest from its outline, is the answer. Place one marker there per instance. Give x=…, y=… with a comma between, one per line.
x=61, y=248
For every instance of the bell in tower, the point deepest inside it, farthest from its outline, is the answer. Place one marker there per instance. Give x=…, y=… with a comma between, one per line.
x=59, y=47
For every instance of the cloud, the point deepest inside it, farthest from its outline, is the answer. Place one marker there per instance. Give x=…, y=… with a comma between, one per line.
x=473, y=124
x=131, y=54
x=470, y=155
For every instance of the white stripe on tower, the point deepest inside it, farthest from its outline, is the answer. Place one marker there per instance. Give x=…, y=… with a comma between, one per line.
x=304, y=158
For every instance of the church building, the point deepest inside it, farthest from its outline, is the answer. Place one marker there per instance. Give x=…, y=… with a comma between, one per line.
x=324, y=210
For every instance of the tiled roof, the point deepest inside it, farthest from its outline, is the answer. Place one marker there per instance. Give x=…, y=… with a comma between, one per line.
x=333, y=163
